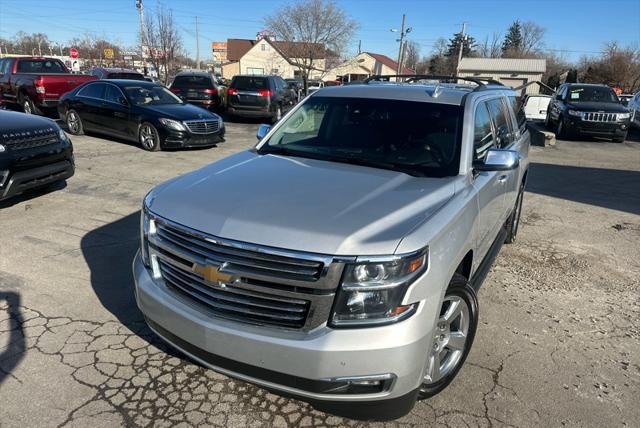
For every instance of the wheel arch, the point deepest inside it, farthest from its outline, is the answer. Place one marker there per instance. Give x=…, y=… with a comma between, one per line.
x=465, y=265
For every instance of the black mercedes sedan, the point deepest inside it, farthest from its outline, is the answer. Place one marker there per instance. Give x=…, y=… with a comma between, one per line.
x=140, y=111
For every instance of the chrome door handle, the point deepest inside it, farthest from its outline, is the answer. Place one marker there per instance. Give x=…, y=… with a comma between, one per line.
x=502, y=179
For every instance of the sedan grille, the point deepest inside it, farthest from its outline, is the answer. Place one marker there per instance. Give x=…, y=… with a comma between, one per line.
x=599, y=117
x=208, y=126
x=30, y=139
x=242, y=282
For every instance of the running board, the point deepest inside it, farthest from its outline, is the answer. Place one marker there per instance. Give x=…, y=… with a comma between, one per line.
x=481, y=273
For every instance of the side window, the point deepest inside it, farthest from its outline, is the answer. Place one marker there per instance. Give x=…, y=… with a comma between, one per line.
x=482, y=133
x=501, y=122
x=95, y=90
x=518, y=110
x=5, y=67
x=112, y=94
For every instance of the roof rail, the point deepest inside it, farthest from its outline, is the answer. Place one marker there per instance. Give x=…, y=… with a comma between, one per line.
x=482, y=82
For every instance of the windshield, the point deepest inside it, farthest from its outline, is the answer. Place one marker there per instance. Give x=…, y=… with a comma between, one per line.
x=41, y=66
x=421, y=139
x=150, y=95
x=592, y=94
x=201, y=82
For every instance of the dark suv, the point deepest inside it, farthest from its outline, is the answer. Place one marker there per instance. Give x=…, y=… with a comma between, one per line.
x=584, y=109
x=260, y=97
x=116, y=73
x=199, y=88
x=34, y=153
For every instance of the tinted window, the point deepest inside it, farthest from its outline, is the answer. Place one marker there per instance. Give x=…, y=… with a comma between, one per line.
x=414, y=137
x=501, y=121
x=591, y=94
x=112, y=94
x=203, y=82
x=482, y=133
x=41, y=66
x=130, y=76
x=151, y=95
x=95, y=90
x=518, y=109
x=5, y=65
x=249, y=83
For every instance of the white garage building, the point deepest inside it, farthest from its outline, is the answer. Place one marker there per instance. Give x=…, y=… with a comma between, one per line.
x=509, y=71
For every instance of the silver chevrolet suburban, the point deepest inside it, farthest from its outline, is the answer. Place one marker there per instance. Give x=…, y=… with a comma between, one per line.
x=338, y=260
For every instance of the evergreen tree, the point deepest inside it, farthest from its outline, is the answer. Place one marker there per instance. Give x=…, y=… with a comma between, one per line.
x=572, y=76
x=513, y=39
x=468, y=45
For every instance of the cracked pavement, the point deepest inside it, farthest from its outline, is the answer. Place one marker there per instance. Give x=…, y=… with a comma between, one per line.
x=558, y=341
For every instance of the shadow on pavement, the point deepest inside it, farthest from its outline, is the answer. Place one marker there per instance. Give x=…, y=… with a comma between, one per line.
x=607, y=188
x=34, y=193
x=15, y=348
x=109, y=251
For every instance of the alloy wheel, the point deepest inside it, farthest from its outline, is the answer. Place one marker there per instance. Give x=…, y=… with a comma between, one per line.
x=73, y=122
x=147, y=137
x=26, y=107
x=449, y=340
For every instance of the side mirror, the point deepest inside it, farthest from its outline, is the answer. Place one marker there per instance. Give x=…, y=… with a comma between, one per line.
x=123, y=101
x=498, y=160
x=263, y=131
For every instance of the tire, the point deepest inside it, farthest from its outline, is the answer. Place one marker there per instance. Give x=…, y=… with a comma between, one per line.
x=27, y=105
x=278, y=114
x=547, y=121
x=74, y=123
x=148, y=137
x=514, y=219
x=560, y=131
x=462, y=318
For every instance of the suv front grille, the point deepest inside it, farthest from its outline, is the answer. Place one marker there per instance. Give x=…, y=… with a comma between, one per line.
x=599, y=117
x=208, y=126
x=29, y=140
x=244, y=282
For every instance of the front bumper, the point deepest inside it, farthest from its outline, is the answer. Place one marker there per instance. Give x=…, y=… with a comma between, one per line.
x=19, y=182
x=598, y=129
x=303, y=364
x=184, y=139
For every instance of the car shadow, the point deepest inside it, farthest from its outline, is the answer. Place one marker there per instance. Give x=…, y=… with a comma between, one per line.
x=15, y=348
x=608, y=188
x=32, y=194
x=109, y=251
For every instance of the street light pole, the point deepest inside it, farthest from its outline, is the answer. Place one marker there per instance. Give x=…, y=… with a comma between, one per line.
x=401, y=44
x=197, y=46
x=462, y=40
x=140, y=8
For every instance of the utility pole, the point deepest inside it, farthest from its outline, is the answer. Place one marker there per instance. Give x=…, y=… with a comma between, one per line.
x=140, y=8
x=359, y=47
x=197, y=46
x=401, y=44
x=462, y=40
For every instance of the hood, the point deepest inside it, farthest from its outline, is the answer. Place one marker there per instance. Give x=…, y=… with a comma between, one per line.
x=591, y=106
x=302, y=204
x=13, y=122
x=180, y=111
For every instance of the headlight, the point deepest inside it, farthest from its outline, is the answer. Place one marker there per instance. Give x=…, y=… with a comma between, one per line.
x=624, y=116
x=172, y=124
x=574, y=113
x=147, y=228
x=62, y=135
x=372, y=290
x=2, y=148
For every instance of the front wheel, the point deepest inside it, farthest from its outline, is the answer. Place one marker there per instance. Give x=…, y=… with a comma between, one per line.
x=74, y=123
x=27, y=105
x=453, y=337
x=560, y=132
x=278, y=115
x=149, y=137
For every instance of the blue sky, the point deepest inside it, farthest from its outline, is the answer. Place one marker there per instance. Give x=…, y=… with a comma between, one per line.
x=576, y=27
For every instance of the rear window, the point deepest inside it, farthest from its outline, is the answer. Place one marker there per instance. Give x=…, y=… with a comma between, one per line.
x=41, y=66
x=249, y=83
x=192, y=82
x=129, y=76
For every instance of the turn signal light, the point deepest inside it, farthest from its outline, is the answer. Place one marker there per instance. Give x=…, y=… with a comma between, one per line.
x=232, y=91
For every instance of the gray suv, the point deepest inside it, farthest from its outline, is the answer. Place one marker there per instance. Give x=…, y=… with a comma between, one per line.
x=339, y=259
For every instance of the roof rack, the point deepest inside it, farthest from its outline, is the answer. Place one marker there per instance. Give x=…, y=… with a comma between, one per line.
x=480, y=81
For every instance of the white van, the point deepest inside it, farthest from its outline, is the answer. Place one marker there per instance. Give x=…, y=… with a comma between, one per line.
x=535, y=107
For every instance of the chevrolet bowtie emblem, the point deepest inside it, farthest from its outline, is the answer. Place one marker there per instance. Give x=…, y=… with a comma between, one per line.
x=212, y=273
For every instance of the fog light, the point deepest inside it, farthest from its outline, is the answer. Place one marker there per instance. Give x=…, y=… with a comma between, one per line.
x=361, y=384
x=2, y=148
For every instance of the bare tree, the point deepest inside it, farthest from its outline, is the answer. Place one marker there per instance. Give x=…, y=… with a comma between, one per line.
x=315, y=25
x=163, y=41
x=411, y=55
x=616, y=66
x=491, y=48
x=532, y=39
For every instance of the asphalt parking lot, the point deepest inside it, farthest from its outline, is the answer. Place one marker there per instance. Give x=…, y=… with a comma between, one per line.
x=558, y=341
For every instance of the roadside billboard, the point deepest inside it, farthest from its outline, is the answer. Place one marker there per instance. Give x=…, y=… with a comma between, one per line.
x=219, y=51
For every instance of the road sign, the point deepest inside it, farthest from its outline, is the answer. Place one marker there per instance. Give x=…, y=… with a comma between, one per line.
x=108, y=53
x=73, y=53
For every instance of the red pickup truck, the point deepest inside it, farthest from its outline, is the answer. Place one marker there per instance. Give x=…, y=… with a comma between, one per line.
x=36, y=83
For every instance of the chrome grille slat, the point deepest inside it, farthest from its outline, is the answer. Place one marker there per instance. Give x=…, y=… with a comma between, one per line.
x=183, y=247
x=252, y=299
x=204, y=126
x=29, y=142
x=599, y=117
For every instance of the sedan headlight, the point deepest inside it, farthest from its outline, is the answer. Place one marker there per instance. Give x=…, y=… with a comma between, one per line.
x=624, y=116
x=147, y=228
x=372, y=290
x=574, y=113
x=172, y=124
x=62, y=135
